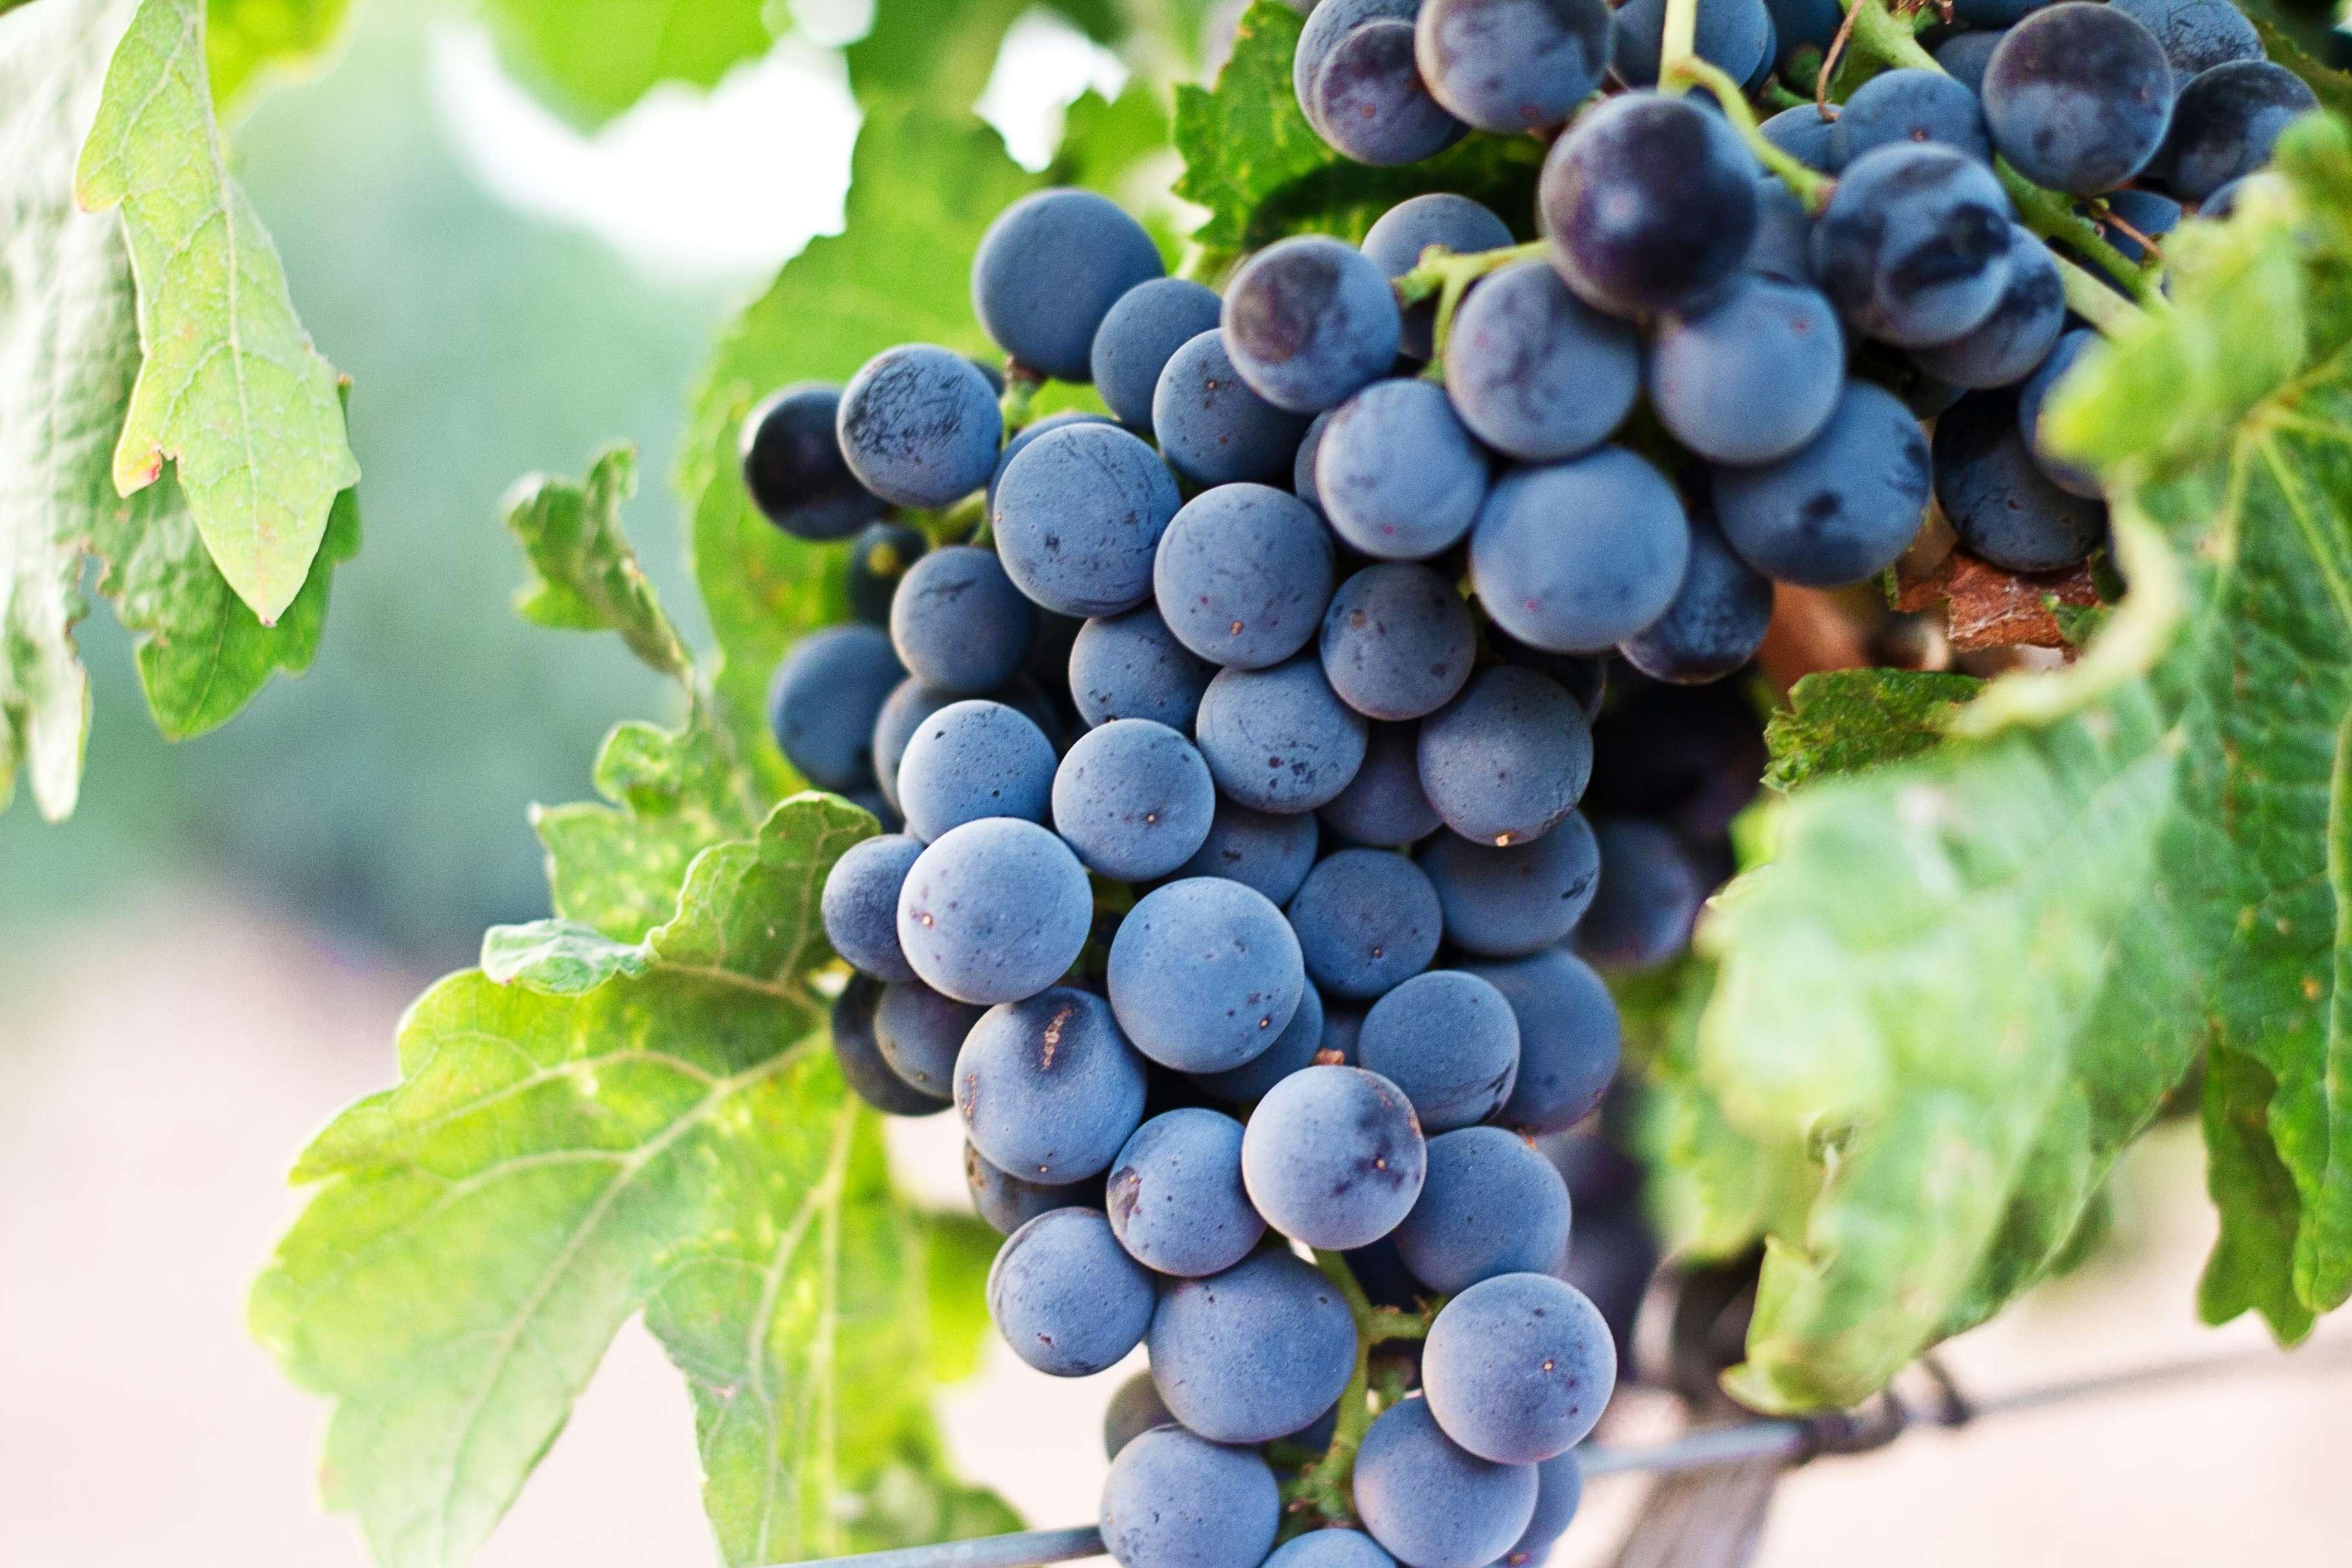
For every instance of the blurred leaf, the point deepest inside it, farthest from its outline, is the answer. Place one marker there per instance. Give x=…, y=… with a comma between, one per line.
x=585, y=576
x=245, y=38
x=939, y=53
x=230, y=387
x=593, y=58
x=1842, y=721
x=958, y=1251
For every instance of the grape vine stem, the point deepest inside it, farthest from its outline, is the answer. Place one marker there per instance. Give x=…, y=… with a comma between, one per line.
x=1448, y=274
x=1322, y=1486
x=1810, y=186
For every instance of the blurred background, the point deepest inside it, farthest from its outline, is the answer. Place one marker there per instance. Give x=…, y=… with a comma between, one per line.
x=211, y=954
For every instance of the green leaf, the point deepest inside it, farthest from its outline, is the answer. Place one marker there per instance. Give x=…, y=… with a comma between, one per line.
x=939, y=53
x=594, y=58
x=562, y=958
x=246, y=38
x=1842, y=721
x=585, y=576
x=230, y=387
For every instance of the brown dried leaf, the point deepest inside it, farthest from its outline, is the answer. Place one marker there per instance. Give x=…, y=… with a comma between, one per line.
x=1990, y=607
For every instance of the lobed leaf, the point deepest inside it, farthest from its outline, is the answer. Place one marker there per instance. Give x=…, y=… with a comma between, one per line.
x=1842, y=721
x=584, y=573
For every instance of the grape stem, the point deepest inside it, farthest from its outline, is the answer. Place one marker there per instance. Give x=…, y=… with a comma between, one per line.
x=1810, y=186
x=1021, y=385
x=1323, y=1485
x=1677, y=45
x=1448, y=274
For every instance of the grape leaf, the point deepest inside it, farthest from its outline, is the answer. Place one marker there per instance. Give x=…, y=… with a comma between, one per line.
x=593, y=58
x=246, y=38
x=1841, y=721
x=941, y=52
x=230, y=386
x=585, y=576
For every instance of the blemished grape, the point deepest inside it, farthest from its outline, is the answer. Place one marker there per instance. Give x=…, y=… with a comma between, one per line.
x=1134, y=800
x=1077, y=517
x=1336, y=1547
x=1803, y=134
x=1280, y=740
x=1534, y=372
x=794, y=468
x=1736, y=36
x=1838, y=509
x=1362, y=89
x=1491, y=1205
x=1204, y=974
x=1049, y=269
x=1396, y=240
x=1259, y=850
x=959, y=624
x=1964, y=57
x=862, y=1066
x=1006, y=1202
x=1570, y=1038
x=1254, y=1353
x=1648, y=201
x=2003, y=506
x=1141, y=335
x=1028, y=435
x=1132, y=666
x=1911, y=105
x=879, y=557
x=2227, y=122
x=1366, y=919
x=1309, y=321
x=919, y=1033
x=1717, y=622
x=1648, y=899
x=1517, y=1369
x=1175, y=1194
x=827, y=693
x=1398, y=473
x=1213, y=427
x=1750, y=376
x=1512, y=65
x=1430, y=1501
x=1383, y=806
x=1048, y=1087
x=1560, y=1489
x=1134, y=1410
x=2077, y=97
x=2004, y=348
x=1065, y=1297
x=994, y=911
x=1397, y=640
x=1519, y=899
x=1913, y=248
x=1175, y=1500
x=919, y=426
x=1783, y=247
x=2068, y=476
x=1333, y=1156
x=971, y=759
x=1243, y=575
x=1577, y=556
x=1506, y=761
x=1449, y=1041
x=860, y=905
x=1293, y=1048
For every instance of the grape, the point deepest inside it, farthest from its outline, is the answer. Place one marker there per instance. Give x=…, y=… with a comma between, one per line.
x=1838, y=509
x=1343, y=1026
x=1585, y=677
x=1332, y=1156
x=1361, y=89
x=1508, y=760
x=1049, y=1088
x=1492, y=1205
x=1648, y=201
x=1397, y=473
x=1067, y=1301
x=1293, y=1048
x=1441, y=218
x=1689, y=756
x=1335, y=1547
x=794, y=468
x=860, y=1058
x=1257, y=849
x=1141, y=335
x=1132, y=666
x=1254, y=1353
x=823, y=706
x=902, y=713
x=1611, y=1257
x=860, y=905
x=1911, y=105
x=2074, y=480
x=1512, y=65
x=1803, y=134
x=1308, y=321
x=1432, y=1502
x=1913, y=248
x=1243, y=575
x=1783, y=247
x=1397, y=640
x=1366, y=919
x=1448, y=1039
x=1736, y=36
x=1302, y=468
x=958, y=622
x=1534, y=372
x=2222, y=202
x=1077, y=517
x=2077, y=97
x=1027, y=435
x=973, y=759
x=1134, y=1410
x=1570, y=1038
x=1007, y=1202
x=1560, y=1489
x=879, y=557
x=1648, y=899
x=1280, y=740
x=919, y=426
x=1049, y=269
x=1964, y=57
x=1383, y=806
x=1517, y=1369
x=1752, y=375
x=2148, y=213
x=1204, y=974
x=1575, y=556
x=1174, y=1501
x=1523, y=898
x=1134, y=800
x=919, y=1033
x=994, y=911
x=1717, y=622
x=2196, y=35
x=1599, y=1175
x=2004, y=508
x=1993, y=13
x=2226, y=122
x=2004, y=348
x=1327, y=24
x=1175, y=1194
x=1212, y=428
